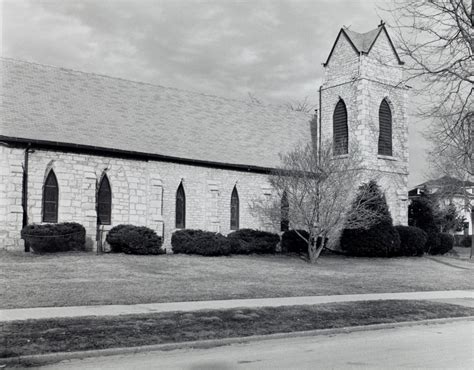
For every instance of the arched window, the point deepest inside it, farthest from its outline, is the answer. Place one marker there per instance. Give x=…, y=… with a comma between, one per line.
x=385, y=129
x=285, y=213
x=50, y=198
x=340, y=129
x=234, y=210
x=180, y=207
x=104, y=202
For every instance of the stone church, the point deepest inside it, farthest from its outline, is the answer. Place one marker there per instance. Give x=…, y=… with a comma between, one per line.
x=103, y=151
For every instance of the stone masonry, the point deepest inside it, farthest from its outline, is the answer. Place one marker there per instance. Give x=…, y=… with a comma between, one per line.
x=143, y=193
x=363, y=80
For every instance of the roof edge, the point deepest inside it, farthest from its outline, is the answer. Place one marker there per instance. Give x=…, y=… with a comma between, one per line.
x=127, y=154
x=341, y=31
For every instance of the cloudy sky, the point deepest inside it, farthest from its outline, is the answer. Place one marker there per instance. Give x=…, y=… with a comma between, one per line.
x=271, y=49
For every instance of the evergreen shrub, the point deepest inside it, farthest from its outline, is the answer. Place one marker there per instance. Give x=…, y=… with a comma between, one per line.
x=412, y=241
x=247, y=241
x=50, y=238
x=291, y=242
x=204, y=243
x=444, y=245
x=379, y=240
x=132, y=239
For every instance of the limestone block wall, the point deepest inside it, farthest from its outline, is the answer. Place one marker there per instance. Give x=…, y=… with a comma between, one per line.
x=344, y=63
x=11, y=211
x=143, y=193
x=376, y=77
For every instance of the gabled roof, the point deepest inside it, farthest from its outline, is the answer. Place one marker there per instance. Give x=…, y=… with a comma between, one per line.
x=362, y=42
x=57, y=105
x=446, y=181
x=447, y=185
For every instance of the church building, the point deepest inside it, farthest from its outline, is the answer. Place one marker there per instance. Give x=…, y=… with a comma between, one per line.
x=102, y=151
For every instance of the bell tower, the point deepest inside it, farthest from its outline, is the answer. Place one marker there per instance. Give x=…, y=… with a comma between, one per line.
x=364, y=104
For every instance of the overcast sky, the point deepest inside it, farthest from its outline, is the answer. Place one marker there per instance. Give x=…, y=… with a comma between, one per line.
x=271, y=49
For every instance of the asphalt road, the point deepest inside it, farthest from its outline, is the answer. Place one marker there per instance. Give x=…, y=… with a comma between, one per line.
x=447, y=346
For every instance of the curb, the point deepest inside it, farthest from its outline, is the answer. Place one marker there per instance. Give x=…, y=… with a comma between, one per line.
x=49, y=358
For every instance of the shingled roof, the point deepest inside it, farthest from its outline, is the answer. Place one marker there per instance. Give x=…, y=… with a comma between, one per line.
x=362, y=42
x=51, y=104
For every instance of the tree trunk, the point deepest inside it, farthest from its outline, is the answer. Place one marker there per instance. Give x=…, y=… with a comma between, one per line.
x=313, y=250
x=472, y=233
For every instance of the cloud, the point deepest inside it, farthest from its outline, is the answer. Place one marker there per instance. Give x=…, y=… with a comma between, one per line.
x=273, y=49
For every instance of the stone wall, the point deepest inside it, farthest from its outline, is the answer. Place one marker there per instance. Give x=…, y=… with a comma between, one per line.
x=143, y=193
x=363, y=85
x=11, y=210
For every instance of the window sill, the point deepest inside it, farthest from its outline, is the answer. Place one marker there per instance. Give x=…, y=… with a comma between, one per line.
x=340, y=156
x=386, y=157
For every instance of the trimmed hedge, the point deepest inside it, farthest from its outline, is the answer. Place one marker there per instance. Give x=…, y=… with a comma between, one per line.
x=380, y=241
x=412, y=241
x=204, y=243
x=445, y=242
x=51, y=238
x=132, y=239
x=466, y=242
x=462, y=241
x=291, y=242
x=247, y=241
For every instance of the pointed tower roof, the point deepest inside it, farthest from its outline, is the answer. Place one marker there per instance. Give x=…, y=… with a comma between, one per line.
x=362, y=42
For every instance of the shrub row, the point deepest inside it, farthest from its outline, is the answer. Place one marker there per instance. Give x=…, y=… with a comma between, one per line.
x=207, y=243
x=132, y=239
x=394, y=242
x=50, y=238
x=463, y=240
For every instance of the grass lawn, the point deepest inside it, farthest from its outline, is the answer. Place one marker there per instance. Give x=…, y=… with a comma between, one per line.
x=70, y=279
x=79, y=334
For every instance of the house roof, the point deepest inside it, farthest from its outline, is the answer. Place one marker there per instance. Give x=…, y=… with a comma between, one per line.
x=447, y=185
x=446, y=181
x=50, y=104
x=362, y=42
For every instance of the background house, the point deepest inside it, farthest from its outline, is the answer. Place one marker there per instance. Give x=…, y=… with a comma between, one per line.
x=449, y=190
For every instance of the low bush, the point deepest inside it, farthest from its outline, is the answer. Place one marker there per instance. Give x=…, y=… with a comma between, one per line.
x=132, y=239
x=291, y=242
x=412, y=241
x=114, y=237
x=50, y=238
x=247, y=241
x=462, y=241
x=204, y=243
x=380, y=241
x=466, y=242
x=445, y=242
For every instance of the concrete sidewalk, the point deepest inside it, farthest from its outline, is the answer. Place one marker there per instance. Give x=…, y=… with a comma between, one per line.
x=113, y=310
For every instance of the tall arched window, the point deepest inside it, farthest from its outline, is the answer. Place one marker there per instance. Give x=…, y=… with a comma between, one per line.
x=285, y=213
x=340, y=129
x=385, y=129
x=234, y=210
x=180, y=207
x=50, y=198
x=104, y=202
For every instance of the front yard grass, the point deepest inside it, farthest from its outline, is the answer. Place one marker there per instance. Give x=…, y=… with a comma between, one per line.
x=80, y=334
x=72, y=279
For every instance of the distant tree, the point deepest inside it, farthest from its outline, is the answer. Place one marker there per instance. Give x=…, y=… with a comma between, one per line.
x=318, y=188
x=437, y=40
x=302, y=105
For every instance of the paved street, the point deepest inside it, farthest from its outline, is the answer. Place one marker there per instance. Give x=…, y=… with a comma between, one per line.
x=449, y=345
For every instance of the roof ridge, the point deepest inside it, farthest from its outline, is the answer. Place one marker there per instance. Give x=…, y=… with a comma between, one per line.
x=263, y=105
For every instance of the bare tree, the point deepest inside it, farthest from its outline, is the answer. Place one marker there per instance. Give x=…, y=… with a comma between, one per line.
x=302, y=105
x=435, y=38
x=319, y=190
x=456, y=161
